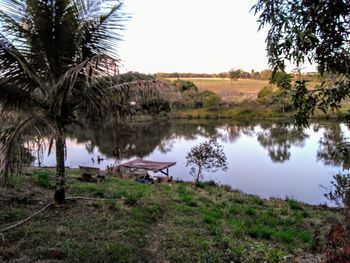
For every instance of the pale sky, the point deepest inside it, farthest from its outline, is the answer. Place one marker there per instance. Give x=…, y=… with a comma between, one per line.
x=201, y=36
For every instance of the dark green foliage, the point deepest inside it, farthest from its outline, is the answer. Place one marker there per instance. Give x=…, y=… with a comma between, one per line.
x=184, y=85
x=200, y=99
x=341, y=184
x=282, y=80
x=316, y=31
x=280, y=98
x=234, y=74
x=192, y=98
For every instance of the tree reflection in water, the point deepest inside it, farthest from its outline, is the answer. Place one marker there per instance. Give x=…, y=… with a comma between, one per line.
x=333, y=137
x=124, y=140
x=278, y=138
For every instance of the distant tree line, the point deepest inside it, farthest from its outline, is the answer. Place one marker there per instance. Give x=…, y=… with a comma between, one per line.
x=234, y=74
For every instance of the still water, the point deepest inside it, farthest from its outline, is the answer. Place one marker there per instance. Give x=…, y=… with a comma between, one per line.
x=264, y=158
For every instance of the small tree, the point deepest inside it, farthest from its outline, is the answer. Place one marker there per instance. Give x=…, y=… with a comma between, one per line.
x=234, y=74
x=222, y=75
x=208, y=156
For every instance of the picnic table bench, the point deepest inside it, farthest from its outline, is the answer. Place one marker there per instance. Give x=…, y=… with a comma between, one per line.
x=149, y=167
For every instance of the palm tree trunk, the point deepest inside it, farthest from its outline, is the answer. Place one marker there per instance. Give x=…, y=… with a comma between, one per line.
x=347, y=215
x=59, y=196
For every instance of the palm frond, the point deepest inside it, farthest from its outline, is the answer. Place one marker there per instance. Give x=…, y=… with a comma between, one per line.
x=16, y=69
x=100, y=33
x=18, y=97
x=14, y=8
x=13, y=153
x=121, y=99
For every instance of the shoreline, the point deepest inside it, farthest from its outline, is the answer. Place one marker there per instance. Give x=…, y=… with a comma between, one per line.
x=76, y=171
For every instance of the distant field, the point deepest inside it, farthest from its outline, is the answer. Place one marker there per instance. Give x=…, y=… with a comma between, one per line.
x=227, y=89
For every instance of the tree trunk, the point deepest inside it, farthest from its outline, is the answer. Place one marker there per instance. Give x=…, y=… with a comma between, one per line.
x=347, y=215
x=59, y=196
x=199, y=174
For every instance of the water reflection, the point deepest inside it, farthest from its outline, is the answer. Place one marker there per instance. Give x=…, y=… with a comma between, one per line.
x=265, y=158
x=333, y=135
x=122, y=140
x=278, y=139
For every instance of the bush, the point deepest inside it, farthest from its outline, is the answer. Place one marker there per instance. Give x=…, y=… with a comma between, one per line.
x=279, y=98
x=265, y=95
x=184, y=85
x=212, y=102
x=200, y=99
x=42, y=178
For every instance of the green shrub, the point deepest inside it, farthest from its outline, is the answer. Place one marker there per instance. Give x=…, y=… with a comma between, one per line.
x=212, y=102
x=265, y=95
x=184, y=85
x=199, y=99
x=42, y=178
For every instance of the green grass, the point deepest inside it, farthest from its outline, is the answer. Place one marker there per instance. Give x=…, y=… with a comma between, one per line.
x=247, y=109
x=157, y=223
x=43, y=178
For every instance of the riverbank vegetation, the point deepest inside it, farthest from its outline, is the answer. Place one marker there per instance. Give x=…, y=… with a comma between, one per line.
x=269, y=96
x=175, y=222
x=243, y=98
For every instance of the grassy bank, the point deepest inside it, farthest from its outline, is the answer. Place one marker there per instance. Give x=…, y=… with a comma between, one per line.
x=250, y=110
x=235, y=112
x=156, y=223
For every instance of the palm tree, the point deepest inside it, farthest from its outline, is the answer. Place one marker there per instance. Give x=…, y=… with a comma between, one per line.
x=53, y=55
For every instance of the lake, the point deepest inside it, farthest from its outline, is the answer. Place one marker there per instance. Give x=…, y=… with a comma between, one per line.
x=269, y=159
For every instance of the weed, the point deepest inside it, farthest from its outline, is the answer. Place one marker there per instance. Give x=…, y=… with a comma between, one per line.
x=131, y=200
x=257, y=200
x=186, y=197
x=294, y=205
x=12, y=214
x=250, y=211
x=42, y=178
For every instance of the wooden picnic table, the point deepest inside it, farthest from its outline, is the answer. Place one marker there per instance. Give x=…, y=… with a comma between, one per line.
x=141, y=164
